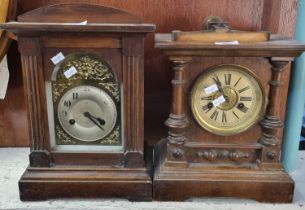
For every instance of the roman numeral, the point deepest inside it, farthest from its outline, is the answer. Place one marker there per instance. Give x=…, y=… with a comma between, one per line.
x=224, y=117
x=206, y=108
x=207, y=98
x=228, y=79
x=237, y=82
x=244, y=89
x=67, y=103
x=244, y=109
x=235, y=115
x=214, y=115
x=216, y=79
x=75, y=96
x=242, y=98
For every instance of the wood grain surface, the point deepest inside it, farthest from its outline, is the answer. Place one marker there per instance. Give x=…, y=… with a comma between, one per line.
x=168, y=15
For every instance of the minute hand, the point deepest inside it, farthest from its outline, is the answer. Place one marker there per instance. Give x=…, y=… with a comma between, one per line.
x=95, y=120
x=219, y=86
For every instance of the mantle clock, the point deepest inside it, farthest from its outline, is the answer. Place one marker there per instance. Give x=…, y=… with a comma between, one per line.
x=226, y=121
x=83, y=77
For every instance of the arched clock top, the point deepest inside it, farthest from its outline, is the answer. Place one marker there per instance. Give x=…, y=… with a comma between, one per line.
x=74, y=13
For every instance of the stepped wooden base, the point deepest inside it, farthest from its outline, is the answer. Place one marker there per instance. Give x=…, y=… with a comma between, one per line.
x=178, y=182
x=179, y=186
x=56, y=182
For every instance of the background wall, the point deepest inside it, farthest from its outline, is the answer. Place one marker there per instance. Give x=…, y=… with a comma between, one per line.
x=277, y=16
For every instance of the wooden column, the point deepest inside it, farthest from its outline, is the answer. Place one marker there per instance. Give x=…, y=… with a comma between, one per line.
x=133, y=80
x=177, y=121
x=34, y=91
x=272, y=122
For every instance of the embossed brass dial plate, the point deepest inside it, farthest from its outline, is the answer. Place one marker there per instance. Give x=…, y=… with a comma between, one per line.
x=227, y=99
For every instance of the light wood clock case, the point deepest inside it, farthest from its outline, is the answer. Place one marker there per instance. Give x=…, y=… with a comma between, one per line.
x=226, y=121
x=85, y=110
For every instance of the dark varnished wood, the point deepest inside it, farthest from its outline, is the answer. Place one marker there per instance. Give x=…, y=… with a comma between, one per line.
x=277, y=15
x=276, y=47
x=52, y=173
x=84, y=182
x=187, y=15
x=177, y=121
x=17, y=27
x=246, y=165
x=65, y=13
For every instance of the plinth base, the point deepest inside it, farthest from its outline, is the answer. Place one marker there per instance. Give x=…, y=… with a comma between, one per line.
x=174, y=182
x=68, y=182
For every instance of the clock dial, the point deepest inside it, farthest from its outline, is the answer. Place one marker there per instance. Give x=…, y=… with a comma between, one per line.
x=87, y=113
x=227, y=99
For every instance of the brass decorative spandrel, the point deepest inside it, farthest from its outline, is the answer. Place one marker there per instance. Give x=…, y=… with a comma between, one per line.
x=227, y=99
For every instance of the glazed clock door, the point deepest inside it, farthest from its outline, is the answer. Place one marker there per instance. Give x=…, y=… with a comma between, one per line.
x=85, y=105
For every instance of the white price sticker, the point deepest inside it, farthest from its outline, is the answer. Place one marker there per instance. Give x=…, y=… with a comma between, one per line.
x=70, y=72
x=227, y=43
x=83, y=23
x=218, y=101
x=57, y=58
x=211, y=89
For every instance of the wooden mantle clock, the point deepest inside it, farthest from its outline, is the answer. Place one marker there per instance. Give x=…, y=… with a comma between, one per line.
x=83, y=77
x=226, y=121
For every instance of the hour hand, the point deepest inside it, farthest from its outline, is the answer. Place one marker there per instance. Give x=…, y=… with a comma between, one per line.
x=219, y=86
x=97, y=121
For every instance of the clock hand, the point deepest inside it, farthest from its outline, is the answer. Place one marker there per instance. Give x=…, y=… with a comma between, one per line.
x=219, y=86
x=97, y=121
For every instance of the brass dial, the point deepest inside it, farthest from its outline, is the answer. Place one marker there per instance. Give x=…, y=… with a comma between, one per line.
x=87, y=113
x=227, y=99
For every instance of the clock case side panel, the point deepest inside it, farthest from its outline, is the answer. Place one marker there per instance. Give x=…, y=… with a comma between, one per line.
x=133, y=80
x=34, y=89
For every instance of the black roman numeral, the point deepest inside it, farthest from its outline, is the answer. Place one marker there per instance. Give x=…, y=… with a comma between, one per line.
x=228, y=79
x=75, y=96
x=67, y=103
x=235, y=115
x=244, y=89
x=206, y=108
x=237, y=82
x=214, y=115
x=224, y=117
x=216, y=79
x=207, y=98
x=244, y=109
x=242, y=98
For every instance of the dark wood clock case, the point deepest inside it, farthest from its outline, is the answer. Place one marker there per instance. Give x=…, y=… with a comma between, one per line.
x=192, y=162
x=116, y=36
